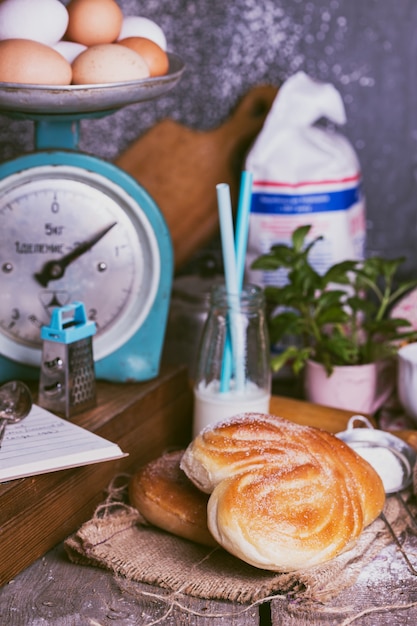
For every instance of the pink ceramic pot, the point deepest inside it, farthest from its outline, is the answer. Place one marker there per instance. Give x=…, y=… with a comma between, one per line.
x=357, y=388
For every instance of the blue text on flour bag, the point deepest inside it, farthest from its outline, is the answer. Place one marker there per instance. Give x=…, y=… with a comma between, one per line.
x=305, y=174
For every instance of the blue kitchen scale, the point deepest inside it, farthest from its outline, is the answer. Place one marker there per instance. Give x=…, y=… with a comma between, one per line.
x=75, y=228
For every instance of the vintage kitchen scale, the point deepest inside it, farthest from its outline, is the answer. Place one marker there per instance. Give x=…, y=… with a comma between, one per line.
x=76, y=228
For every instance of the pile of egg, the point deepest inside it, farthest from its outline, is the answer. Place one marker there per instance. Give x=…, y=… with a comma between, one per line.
x=44, y=42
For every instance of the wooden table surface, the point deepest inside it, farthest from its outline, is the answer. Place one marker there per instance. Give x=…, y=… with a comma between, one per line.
x=55, y=591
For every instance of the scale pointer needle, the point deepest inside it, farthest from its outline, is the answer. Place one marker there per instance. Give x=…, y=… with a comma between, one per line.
x=54, y=270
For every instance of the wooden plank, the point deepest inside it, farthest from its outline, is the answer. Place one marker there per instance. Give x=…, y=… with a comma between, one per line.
x=385, y=594
x=55, y=591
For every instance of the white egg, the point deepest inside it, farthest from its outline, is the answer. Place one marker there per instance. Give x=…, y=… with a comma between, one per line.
x=135, y=26
x=44, y=20
x=69, y=49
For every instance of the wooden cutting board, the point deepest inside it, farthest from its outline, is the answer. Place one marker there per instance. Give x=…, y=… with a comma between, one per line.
x=328, y=418
x=308, y=414
x=181, y=167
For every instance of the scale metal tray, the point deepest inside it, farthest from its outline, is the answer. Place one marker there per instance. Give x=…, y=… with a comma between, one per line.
x=79, y=99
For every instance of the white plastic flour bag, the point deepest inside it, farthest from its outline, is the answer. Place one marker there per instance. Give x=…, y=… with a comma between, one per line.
x=304, y=173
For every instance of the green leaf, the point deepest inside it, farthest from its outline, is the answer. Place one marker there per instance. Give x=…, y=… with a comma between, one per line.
x=340, y=273
x=284, y=255
x=279, y=295
x=331, y=297
x=292, y=355
x=266, y=262
x=387, y=328
x=298, y=237
x=332, y=315
x=340, y=348
x=387, y=268
x=358, y=304
x=305, y=281
x=287, y=323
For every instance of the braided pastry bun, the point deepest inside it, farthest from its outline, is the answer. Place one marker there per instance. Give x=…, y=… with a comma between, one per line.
x=283, y=496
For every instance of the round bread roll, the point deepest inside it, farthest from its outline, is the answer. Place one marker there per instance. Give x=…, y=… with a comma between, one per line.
x=166, y=498
x=283, y=496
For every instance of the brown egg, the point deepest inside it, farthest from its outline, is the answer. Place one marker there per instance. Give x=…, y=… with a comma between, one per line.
x=108, y=63
x=93, y=22
x=156, y=58
x=33, y=63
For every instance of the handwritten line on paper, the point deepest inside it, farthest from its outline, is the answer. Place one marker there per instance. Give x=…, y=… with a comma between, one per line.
x=44, y=442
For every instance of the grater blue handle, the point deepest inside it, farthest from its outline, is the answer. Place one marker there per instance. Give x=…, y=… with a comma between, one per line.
x=68, y=324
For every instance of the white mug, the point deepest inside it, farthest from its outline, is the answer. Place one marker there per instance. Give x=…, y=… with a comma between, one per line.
x=407, y=379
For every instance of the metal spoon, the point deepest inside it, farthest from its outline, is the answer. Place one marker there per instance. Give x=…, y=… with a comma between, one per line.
x=15, y=404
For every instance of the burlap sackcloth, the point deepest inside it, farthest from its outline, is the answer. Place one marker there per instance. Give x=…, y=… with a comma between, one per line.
x=118, y=539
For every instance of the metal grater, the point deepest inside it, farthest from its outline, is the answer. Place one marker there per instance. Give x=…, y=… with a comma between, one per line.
x=67, y=379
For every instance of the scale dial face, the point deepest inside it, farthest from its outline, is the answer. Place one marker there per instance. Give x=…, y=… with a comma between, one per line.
x=70, y=234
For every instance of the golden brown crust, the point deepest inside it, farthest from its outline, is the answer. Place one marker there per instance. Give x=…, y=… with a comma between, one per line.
x=284, y=496
x=166, y=498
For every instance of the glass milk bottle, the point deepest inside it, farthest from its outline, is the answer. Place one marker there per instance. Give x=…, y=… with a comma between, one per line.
x=233, y=369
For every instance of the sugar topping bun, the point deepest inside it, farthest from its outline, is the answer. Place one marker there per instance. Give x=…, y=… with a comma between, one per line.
x=166, y=498
x=283, y=496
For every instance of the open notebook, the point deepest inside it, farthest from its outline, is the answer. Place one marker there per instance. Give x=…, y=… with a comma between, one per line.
x=44, y=442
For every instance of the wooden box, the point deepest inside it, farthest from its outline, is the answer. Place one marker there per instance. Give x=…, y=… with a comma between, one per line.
x=145, y=419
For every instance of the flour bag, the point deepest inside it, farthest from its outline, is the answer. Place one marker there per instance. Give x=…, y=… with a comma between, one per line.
x=305, y=172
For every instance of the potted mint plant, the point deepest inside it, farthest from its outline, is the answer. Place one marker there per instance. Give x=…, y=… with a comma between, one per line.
x=338, y=320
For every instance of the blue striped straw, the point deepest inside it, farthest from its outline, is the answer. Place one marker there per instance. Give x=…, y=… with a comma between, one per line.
x=242, y=224
x=230, y=271
x=240, y=246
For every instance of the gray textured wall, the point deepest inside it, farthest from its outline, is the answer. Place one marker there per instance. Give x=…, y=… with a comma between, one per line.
x=367, y=49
